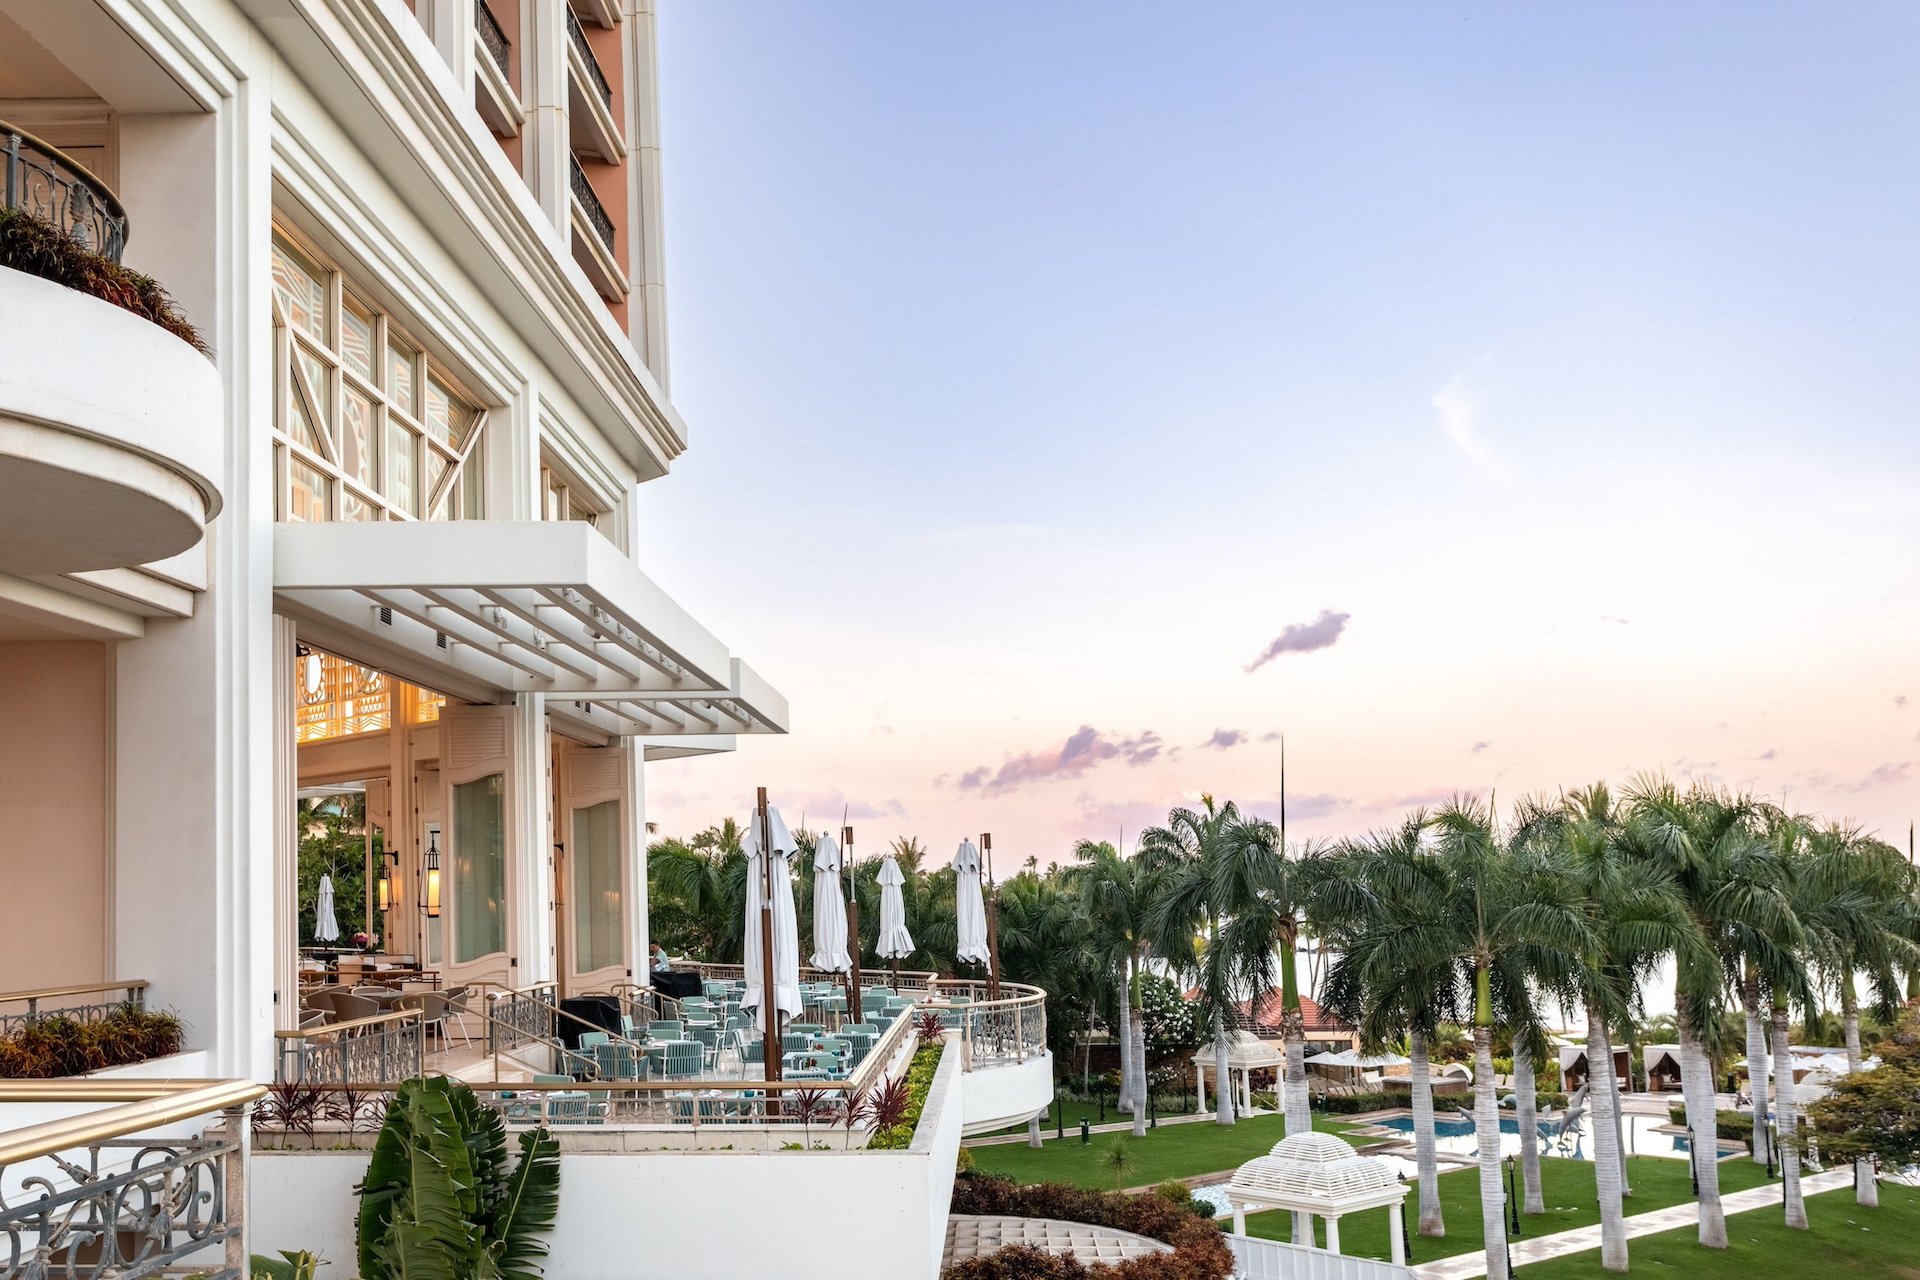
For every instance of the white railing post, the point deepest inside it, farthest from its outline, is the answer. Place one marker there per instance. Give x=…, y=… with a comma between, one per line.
x=239, y=1248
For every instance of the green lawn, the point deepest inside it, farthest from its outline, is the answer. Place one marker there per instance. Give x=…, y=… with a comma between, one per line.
x=1567, y=1186
x=1170, y=1151
x=1845, y=1240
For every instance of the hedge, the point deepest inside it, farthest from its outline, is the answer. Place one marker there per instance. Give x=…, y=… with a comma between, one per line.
x=1199, y=1250
x=54, y=1045
x=920, y=1073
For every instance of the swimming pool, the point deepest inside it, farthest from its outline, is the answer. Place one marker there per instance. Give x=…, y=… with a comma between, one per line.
x=1453, y=1135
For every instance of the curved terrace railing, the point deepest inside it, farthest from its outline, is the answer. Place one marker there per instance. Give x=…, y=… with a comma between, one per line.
x=82, y=1196
x=43, y=181
x=995, y=1030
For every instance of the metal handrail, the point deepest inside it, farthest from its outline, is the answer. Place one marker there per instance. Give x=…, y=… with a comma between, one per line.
x=128, y=985
x=596, y=213
x=577, y=35
x=45, y=182
x=148, y=1104
x=493, y=36
x=309, y=1033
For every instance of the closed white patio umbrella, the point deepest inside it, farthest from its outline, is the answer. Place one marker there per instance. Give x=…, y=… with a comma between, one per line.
x=786, y=927
x=895, y=942
x=325, y=927
x=970, y=908
x=829, y=910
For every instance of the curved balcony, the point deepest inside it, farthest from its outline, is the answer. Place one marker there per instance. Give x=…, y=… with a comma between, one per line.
x=1003, y=1043
x=109, y=434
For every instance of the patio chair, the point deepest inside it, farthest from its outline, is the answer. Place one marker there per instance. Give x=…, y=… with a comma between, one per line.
x=312, y=1018
x=666, y=1030
x=458, y=1011
x=433, y=1010
x=807, y=1028
x=570, y=1106
x=591, y=1039
x=614, y=1061
x=350, y=1007
x=714, y=990
x=683, y=1060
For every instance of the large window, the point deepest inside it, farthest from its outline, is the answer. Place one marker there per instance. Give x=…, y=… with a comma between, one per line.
x=479, y=868
x=366, y=425
x=597, y=940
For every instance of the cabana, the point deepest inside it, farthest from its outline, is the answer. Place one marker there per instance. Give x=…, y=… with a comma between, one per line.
x=1317, y=1173
x=1573, y=1066
x=1661, y=1063
x=1246, y=1054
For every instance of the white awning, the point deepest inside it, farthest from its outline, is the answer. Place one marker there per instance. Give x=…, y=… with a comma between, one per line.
x=484, y=610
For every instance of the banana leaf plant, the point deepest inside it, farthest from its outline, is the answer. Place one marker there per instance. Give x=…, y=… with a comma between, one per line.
x=441, y=1201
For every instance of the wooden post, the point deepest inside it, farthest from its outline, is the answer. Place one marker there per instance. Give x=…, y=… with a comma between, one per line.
x=993, y=920
x=771, y=1040
x=853, y=927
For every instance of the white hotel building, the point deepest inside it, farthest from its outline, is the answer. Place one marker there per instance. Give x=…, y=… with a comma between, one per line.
x=384, y=535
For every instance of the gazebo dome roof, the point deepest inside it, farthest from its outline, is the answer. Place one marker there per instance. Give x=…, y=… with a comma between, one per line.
x=1317, y=1173
x=1244, y=1049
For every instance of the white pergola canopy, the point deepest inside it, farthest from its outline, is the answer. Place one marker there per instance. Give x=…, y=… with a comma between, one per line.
x=1316, y=1173
x=1245, y=1052
x=484, y=610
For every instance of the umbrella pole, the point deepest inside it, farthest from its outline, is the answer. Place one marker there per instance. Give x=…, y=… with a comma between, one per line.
x=853, y=927
x=993, y=921
x=771, y=1040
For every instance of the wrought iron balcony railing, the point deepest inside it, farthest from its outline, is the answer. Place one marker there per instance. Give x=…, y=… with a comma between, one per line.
x=84, y=1197
x=590, y=201
x=387, y=1046
x=578, y=35
x=41, y=180
x=66, y=1002
x=492, y=35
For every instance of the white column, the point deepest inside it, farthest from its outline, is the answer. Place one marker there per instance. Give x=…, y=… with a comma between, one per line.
x=1200, y=1084
x=647, y=311
x=639, y=928
x=1033, y=1131
x=1333, y=1233
x=547, y=134
x=1303, y=1229
x=530, y=845
x=286, y=842
x=450, y=22
x=1239, y=1219
x=1396, y=1232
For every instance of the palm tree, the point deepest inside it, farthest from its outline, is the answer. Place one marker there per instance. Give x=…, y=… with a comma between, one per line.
x=1208, y=862
x=1265, y=931
x=1116, y=895
x=1378, y=905
x=1510, y=926
x=1708, y=841
x=1636, y=915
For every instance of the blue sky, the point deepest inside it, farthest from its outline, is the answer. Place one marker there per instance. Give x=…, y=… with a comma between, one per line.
x=1045, y=362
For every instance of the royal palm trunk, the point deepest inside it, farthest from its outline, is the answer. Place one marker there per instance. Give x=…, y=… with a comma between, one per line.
x=1608, y=1161
x=1432, y=1223
x=1866, y=1185
x=1785, y=1116
x=1696, y=1085
x=1222, y=1086
x=1486, y=1132
x=1293, y=1032
x=1527, y=1121
x=1125, y=1101
x=1142, y=1086
x=1756, y=1066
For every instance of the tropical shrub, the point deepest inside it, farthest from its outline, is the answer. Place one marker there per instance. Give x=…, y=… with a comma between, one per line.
x=299, y=1265
x=56, y=1045
x=440, y=1198
x=1199, y=1250
x=1377, y=1100
x=39, y=248
x=919, y=1079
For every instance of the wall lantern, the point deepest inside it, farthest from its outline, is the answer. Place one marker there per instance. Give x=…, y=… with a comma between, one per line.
x=432, y=903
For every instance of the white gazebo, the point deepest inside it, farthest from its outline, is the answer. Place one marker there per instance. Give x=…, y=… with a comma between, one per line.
x=1317, y=1173
x=1246, y=1054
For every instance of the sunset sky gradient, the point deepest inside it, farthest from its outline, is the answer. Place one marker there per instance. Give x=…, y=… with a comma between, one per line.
x=1082, y=395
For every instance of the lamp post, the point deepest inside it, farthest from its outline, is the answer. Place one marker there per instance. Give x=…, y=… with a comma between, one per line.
x=1693, y=1160
x=1513, y=1204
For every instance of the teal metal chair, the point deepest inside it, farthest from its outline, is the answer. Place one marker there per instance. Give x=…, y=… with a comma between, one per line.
x=666, y=1030
x=683, y=1060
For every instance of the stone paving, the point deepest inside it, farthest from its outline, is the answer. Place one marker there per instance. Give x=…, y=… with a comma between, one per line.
x=1466, y=1265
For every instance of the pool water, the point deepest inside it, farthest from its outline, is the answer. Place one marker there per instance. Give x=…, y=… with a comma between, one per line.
x=1453, y=1135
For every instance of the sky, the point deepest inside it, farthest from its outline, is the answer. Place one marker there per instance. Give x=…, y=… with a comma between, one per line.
x=1485, y=397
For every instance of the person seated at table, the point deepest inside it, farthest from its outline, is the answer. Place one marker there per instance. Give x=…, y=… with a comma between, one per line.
x=662, y=962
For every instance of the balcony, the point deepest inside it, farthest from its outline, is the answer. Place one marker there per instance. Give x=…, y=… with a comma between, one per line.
x=590, y=103
x=494, y=95
x=594, y=237
x=96, y=472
